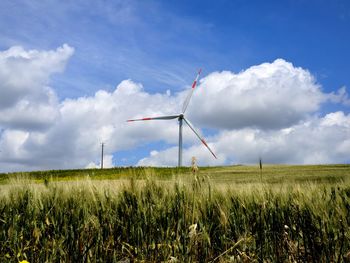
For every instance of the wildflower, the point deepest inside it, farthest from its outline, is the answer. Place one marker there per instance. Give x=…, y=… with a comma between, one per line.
x=24, y=261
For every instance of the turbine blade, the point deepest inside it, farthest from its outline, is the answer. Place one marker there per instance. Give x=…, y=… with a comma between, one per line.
x=170, y=117
x=188, y=98
x=200, y=138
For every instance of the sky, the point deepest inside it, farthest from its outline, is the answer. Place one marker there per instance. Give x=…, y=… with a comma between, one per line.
x=274, y=82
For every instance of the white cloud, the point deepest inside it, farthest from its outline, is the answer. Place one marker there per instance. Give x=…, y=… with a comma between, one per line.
x=317, y=141
x=266, y=110
x=169, y=157
x=28, y=115
x=26, y=73
x=73, y=139
x=26, y=102
x=341, y=96
x=336, y=119
x=107, y=163
x=270, y=95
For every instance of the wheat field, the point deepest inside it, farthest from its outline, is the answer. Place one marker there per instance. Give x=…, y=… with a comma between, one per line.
x=221, y=214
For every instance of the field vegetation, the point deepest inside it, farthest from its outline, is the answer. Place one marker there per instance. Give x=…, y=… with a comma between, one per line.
x=221, y=214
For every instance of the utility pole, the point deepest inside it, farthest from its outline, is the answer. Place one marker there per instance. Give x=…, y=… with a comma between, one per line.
x=102, y=145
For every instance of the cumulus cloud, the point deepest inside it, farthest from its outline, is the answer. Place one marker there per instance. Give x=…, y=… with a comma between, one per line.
x=268, y=96
x=26, y=100
x=82, y=123
x=317, y=141
x=270, y=110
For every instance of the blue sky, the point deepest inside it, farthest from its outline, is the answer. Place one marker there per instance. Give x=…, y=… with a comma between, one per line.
x=161, y=45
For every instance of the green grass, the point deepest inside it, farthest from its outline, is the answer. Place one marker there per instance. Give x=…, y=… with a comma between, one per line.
x=94, y=174
x=225, y=214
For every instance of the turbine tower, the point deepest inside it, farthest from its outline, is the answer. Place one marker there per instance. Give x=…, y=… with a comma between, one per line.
x=181, y=118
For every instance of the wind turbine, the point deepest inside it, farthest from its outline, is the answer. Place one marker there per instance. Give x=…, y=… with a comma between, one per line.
x=181, y=118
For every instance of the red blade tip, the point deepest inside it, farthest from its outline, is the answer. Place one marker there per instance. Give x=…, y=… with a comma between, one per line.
x=203, y=141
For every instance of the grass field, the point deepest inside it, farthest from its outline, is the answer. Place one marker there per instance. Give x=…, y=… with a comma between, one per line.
x=222, y=214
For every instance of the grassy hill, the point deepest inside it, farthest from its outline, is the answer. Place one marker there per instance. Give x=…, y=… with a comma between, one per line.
x=222, y=174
